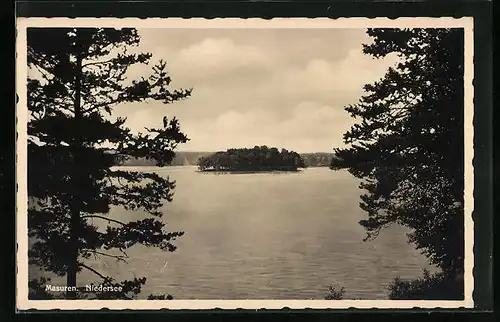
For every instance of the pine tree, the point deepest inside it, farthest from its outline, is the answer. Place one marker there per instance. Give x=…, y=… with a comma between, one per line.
x=77, y=77
x=407, y=147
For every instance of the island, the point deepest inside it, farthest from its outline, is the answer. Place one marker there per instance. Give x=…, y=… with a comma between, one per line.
x=257, y=159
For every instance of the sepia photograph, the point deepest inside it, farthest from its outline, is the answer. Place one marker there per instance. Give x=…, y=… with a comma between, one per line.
x=289, y=162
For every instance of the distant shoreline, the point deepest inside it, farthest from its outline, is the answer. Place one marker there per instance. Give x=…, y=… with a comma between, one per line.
x=212, y=170
x=318, y=159
x=246, y=171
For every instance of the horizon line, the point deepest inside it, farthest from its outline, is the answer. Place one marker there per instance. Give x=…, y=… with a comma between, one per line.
x=219, y=150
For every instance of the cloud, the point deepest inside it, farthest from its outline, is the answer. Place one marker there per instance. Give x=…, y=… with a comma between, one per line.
x=216, y=59
x=311, y=127
x=285, y=88
x=335, y=83
x=220, y=52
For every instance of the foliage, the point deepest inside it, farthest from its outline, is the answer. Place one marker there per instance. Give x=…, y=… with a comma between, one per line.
x=437, y=286
x=256, y=159
x=160, y=297
x=333, y=294
x=407, y=146
x=76, y=78
x=36, y=289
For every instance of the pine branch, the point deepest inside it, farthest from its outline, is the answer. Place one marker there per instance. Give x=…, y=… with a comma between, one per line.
x=104, y=218
x=118, y=257
x=98, y=62
x=105, y=278
x=44, y=71
x=104, y=104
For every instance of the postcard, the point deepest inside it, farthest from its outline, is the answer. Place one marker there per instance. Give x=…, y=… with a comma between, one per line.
x=244, y=163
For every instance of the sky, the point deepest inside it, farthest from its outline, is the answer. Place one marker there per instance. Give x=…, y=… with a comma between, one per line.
x=284, y=88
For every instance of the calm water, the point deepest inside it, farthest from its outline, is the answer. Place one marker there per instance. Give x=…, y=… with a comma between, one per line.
x=266, y=236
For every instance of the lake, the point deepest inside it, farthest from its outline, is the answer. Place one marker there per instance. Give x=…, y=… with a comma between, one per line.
x=266, y=236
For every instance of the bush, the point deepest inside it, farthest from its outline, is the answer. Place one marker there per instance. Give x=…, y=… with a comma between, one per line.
x=333, y=294
x=36, y=289
x=160, y=297
x=439, y=286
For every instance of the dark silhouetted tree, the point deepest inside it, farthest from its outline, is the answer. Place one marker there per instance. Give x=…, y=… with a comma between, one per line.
x=407, y=147
x=77, y=77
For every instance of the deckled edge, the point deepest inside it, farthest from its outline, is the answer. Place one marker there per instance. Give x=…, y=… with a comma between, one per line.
x=22, y=23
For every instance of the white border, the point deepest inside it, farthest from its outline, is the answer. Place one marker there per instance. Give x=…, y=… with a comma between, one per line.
x=21, y=155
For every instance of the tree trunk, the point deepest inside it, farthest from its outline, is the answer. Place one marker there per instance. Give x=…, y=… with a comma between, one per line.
x=75, y=209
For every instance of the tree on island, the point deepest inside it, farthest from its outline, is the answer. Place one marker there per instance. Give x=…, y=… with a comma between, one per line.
x=77, y=77
x=408, y=150
x=257, y=159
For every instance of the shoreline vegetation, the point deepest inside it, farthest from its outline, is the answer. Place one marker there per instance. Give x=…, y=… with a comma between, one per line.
x=191, y=158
